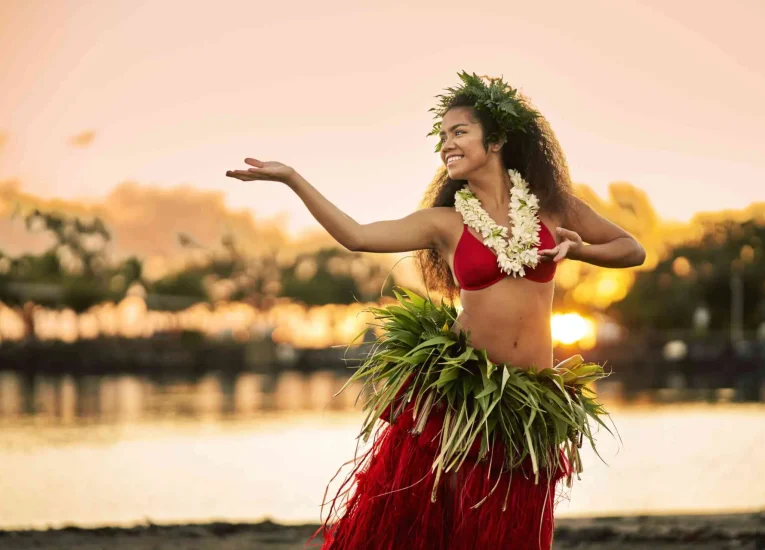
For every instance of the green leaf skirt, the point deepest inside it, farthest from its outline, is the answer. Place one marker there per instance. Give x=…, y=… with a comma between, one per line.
x=418, y=366
x=465, y=453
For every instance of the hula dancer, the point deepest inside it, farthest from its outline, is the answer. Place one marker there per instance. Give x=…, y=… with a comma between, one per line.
x=472, y=424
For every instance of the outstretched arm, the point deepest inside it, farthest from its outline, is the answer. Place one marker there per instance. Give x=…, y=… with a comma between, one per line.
x=418, y=230
x=608, y=245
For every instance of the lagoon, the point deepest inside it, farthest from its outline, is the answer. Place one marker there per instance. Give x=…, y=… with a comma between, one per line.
x=123, y=450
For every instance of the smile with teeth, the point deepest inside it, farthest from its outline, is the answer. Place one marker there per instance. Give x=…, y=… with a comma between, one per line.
x=452, y=159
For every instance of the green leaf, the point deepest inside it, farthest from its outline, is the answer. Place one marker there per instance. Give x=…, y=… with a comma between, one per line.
x=447, y=341
x=489, y=388
x=448, y=375
x=416, y=299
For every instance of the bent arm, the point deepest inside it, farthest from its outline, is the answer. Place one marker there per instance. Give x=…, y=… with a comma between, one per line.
x=413, y=232
x=609, y=245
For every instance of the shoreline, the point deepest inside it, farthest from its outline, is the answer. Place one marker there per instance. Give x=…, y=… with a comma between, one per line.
x=744, y=531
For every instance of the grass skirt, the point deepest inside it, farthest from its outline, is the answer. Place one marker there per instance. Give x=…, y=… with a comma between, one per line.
x=391, y=506
x=464, y=454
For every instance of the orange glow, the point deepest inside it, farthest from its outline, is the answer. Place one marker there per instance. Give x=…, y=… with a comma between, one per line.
x=11, y=324
x=290, y=323
x=572, y=328
x=681, y=266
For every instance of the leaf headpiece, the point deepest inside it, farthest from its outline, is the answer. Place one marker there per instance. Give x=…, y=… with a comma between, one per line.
x=492, y=96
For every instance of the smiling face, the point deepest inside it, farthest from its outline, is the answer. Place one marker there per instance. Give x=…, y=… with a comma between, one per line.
x=462, y=149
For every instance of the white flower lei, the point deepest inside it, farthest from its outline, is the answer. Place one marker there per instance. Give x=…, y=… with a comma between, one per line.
x=517, y=252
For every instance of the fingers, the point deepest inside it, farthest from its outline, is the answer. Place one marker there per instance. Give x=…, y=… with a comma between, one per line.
x=562, y=253
x=251, y=173
x=243, y=175
x=549, y=254
x=554, y=254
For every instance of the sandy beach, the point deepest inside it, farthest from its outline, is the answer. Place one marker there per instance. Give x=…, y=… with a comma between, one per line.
x=698, y=532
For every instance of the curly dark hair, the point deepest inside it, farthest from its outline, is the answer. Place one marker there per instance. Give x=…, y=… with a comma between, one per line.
x=535, y=153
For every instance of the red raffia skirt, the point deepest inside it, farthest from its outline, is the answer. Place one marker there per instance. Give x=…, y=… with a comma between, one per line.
x=390, y=506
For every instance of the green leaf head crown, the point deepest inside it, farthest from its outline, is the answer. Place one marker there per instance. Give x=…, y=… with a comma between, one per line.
x=491, y=96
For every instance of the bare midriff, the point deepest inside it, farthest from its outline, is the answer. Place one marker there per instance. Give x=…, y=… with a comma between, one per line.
x=511, y=321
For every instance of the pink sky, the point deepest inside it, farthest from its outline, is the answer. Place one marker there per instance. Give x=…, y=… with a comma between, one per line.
x=666, y=95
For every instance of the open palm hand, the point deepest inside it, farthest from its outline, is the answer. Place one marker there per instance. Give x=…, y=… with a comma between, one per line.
x=263, y=170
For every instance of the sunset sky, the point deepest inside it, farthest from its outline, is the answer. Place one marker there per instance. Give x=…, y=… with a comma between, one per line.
x=666, y=95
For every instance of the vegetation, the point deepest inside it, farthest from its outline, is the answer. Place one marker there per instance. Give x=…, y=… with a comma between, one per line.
x=77, y=272
x=701, y=274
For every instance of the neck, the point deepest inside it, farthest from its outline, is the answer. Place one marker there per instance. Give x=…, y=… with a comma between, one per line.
x=491, y=185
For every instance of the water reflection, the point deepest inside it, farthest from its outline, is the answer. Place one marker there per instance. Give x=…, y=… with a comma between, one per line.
x=126, y=398
x=114, y=450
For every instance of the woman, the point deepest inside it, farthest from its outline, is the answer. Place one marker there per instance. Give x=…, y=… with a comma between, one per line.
x=477, y=425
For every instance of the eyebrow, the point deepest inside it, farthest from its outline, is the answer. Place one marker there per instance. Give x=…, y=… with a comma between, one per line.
x=453, y=127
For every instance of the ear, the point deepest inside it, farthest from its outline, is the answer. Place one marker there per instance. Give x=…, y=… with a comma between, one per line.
x=496, y=146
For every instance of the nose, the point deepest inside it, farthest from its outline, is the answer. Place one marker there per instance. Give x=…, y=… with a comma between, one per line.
x=446, y=145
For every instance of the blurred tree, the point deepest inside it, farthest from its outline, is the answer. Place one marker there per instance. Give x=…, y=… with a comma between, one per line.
x=699, y=274
x=131, y=269
x=74, y=272
x=334, y=275
x=81, y=293
x=188, y=283
x=80, y=246
x=45, y=268
x=78, y=268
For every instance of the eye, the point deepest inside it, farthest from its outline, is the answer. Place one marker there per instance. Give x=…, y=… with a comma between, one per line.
x=458, y=132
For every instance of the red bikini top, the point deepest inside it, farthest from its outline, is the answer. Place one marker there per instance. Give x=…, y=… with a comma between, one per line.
x=475, y=264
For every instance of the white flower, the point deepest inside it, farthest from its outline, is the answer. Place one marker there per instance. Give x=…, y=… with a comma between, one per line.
x=529, y=257
x=493, y=242
x=517, y=251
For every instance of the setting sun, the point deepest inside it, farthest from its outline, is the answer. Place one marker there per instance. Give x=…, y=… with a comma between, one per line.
x=572, y=328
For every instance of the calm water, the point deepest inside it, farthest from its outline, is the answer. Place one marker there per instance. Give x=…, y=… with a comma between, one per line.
x=121, y=450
